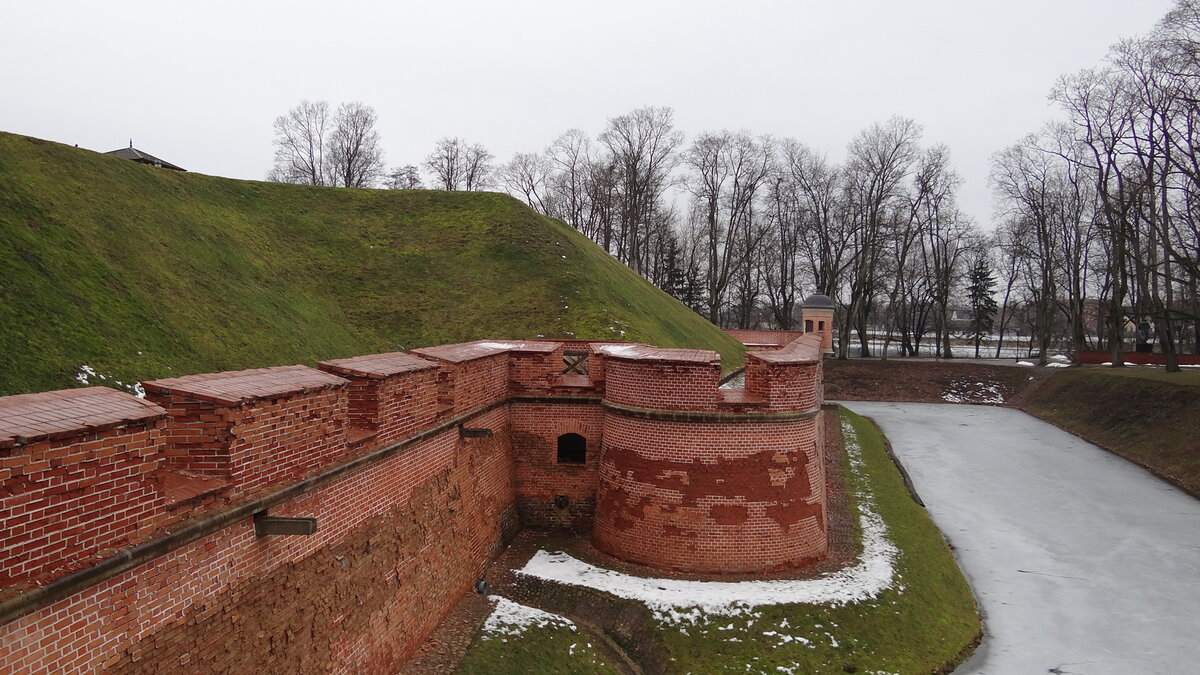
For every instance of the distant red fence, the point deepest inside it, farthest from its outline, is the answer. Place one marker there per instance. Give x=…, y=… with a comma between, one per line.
x=1140, y=358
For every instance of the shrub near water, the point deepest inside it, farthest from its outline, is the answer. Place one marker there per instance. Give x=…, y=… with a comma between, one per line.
x=141, y=273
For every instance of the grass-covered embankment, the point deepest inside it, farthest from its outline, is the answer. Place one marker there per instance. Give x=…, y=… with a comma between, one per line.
x=1142, y=414
x=538, y=650
x=925, y=622
x=143, y=273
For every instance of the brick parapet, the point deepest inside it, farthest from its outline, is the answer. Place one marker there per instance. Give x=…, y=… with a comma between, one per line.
x=426, y=519
x=221, y=439
x=254, y=429
x=763, y=339
x=390, y=396
x=662, y=383
x=78, y=479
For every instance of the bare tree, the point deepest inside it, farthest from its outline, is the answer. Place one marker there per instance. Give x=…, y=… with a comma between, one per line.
x=726, y=172
x=300, y=138
x=404, y=178
x=642, y=145
x=879, y=160
x=311, y=148
x=354, y=158
x=570, y=156
x=823, y=240
x=1026, y=181
x=458, y=165
x=527, y=175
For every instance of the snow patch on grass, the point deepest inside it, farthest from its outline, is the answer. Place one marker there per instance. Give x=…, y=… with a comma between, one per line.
x=966, y=391
x=678, y=601
x=86, y=374
x=513, y=618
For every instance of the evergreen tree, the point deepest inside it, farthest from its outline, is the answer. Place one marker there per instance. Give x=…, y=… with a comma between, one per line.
x=983, y=303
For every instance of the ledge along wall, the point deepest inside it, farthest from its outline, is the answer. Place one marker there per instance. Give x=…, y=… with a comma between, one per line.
x=129, y=526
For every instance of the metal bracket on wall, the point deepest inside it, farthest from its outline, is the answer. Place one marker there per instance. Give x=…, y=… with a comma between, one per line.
x=265, y=526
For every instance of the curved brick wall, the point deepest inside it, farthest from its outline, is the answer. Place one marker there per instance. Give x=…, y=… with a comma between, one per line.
x=663, y=379
x=699, y=479
x=710, y=497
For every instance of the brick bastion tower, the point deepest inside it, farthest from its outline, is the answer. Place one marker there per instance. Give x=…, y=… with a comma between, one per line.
x=701, y=479
x=299, y=519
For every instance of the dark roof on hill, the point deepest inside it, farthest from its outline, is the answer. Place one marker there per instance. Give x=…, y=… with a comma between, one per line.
x=143, y=157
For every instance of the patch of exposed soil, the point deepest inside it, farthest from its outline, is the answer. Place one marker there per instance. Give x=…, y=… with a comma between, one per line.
x=444, y=649
x=927, y=381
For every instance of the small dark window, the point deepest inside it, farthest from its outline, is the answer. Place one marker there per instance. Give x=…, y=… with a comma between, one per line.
x=572, y=449
x=808, y=325
x=820, y=325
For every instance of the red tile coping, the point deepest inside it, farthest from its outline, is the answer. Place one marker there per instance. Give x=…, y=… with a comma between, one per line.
x=241, y=386
x=468, y=351
x=739, y=397
x=184, y=486
x=574, y=380
x=359, y=437
x=25, y=418
x=800, y=351
x=377, y=366
x=763, y=338
x=638, y=352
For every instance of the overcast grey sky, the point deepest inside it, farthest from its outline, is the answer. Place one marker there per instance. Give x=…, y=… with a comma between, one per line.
x=199, y=83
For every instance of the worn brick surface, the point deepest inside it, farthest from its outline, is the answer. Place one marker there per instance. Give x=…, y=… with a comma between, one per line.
x=78, y=478
x=694, y=478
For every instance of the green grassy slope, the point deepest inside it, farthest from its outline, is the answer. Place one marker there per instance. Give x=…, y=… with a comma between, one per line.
x=143, y=273
x=1142, y=414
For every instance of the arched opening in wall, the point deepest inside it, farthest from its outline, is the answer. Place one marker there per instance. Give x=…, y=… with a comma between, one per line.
x=572, y=449
x=808, y=325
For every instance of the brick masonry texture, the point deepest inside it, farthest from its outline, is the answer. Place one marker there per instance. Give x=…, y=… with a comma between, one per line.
x=451, y=449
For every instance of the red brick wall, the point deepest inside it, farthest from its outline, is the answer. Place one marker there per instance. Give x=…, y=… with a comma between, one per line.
x=540, y=477
x=397, y=544
x=399, y=540
x=761, y=338
x=710, y=497
x=69, y=502
x=784, y=386
x=393, y=407
x=281, y=441
x=197, y=437
x=407, y=404
x=471, y=384
x=535, y=372
x=662, y=386
x=258, y=443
